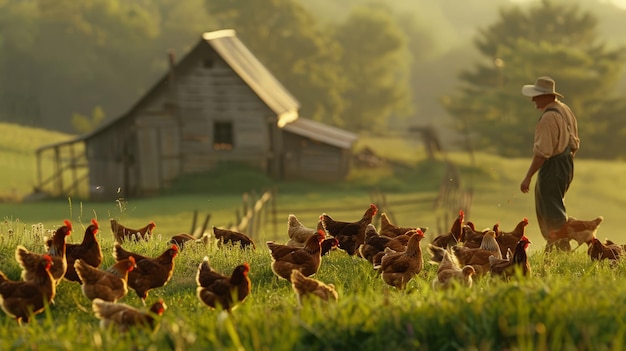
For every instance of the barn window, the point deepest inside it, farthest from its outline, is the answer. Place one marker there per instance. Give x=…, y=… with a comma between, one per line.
x=223, y=136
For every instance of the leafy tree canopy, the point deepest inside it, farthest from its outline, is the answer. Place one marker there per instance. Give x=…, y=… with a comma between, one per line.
x=557, y=40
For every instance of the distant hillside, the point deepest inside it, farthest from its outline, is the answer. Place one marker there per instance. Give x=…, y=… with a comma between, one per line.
x=17, y=157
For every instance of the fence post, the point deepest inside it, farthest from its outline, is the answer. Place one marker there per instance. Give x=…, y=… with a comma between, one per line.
x=193, y=222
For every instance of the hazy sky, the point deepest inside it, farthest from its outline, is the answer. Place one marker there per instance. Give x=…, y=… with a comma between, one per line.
x=620, y=3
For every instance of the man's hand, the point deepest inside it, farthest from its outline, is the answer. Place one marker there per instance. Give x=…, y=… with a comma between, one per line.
x=525, y=185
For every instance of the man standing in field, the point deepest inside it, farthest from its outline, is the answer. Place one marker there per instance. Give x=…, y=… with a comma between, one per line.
x=556, y=142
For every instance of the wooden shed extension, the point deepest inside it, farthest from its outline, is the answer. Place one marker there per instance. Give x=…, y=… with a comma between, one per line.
x=218, y=103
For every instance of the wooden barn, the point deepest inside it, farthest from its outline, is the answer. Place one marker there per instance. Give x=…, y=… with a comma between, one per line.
x=218, y=103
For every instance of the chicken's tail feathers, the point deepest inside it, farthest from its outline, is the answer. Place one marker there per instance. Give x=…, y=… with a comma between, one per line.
x=436, y=253
x=104, y=309
x=119, y=253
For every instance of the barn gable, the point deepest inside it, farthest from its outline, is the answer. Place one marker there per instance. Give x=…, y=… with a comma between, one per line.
x=217, y=103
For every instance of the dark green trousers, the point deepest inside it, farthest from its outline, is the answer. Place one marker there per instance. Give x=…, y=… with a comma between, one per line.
x=554, y=178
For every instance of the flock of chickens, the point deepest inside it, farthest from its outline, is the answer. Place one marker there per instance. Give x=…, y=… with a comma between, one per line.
x=462, y=254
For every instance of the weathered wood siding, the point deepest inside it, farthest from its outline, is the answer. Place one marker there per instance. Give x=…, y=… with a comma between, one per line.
x=216, y=93
x=305, y=158
x=112, y=162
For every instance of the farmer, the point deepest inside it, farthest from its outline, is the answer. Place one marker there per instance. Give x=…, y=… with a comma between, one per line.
x=556, y=142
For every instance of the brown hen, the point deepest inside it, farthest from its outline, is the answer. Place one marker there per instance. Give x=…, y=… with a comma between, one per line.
x=305, y=287
x=598, y=251
x=24, y=299
x=450, y=272
x=125, y=317
x=220, y=291
x=110, y=285
x=397, y=268
x=349, y=234
x=149, y=273
x=87, y=251
x=454, y=236
x=510, y=266
x=479, y=258
x=56, y=250
x=122, y=233
x=306, y=260
x=226, y=236
x=582, y=231
x=508, y=240
x=391, y=230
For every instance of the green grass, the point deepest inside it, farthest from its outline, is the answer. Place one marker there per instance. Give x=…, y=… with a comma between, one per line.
x=17, y=153
x=568, y=303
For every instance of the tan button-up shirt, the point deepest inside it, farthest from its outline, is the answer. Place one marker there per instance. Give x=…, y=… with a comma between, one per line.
x=554, y=131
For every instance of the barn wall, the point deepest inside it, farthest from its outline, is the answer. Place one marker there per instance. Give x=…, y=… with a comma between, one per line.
x=309, y=159
x=217, y=93
x=112, y=162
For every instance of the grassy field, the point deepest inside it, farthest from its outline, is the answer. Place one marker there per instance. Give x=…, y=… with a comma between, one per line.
x=569, y=303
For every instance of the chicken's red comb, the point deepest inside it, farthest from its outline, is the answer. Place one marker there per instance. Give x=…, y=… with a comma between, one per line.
x=174, y=247
x=247, y=266
x=68, y=224
x=525, y=220
x=47, y=257
x=95, y=222
x=132, y=259
x=461, y=213
x=524, y=238
x=152, y=225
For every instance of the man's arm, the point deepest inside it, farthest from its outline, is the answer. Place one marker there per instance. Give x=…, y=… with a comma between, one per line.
x=536, y=163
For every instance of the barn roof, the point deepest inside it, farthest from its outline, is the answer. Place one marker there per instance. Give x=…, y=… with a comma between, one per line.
x=321, y=132
x=252, y=71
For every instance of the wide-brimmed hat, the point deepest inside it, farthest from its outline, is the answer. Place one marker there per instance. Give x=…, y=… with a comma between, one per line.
x=542, y=86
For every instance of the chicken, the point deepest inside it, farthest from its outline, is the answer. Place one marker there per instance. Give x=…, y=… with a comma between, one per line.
x=508, y=240
x=507, y=268
x=472, y=238
x=307, y=259
x=479, y=258
x=88, y=251
x=397, y=244
x=391, y=230
x=374, y=243
x=450, y=271
x=122, y=233
x=125, y=317
x=56, y=250
x=308, y=287
x=397, y=268
x=220, y=291
x=328, y=244
x=24, y=299
x=226, y=236
x=149, y=273
x=349, y=234
x=454, y=236
x=298, y=233
x=582, y=231
x=181, y=240
x=110, y=285
x=598, y=251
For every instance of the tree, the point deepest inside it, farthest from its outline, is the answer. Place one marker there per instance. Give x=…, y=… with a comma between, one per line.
x=555, y=39
x=289, y=42
x=376, y=63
